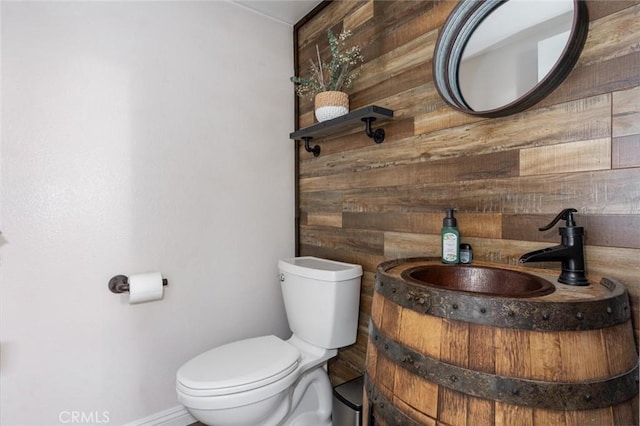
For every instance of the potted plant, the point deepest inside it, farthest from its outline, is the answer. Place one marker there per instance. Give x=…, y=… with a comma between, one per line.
x=328, y=79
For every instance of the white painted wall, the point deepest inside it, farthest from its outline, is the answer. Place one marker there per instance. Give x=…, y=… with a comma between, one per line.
x=136, y=137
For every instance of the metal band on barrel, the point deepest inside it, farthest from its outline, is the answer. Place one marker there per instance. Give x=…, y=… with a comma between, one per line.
x=519, y=391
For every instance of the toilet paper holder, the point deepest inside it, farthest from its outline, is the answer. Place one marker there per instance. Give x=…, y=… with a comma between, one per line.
x=120, y=284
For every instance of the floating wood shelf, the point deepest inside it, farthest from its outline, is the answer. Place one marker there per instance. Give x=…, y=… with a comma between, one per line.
x=331, y=127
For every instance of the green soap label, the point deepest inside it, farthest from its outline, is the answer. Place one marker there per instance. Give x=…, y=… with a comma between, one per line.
x=449, y=247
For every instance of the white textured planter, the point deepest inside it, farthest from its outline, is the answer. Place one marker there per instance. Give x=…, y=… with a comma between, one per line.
x=329, y=105
x=330, y=112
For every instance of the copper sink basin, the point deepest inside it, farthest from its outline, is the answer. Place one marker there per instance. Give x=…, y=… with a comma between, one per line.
x=479, y=280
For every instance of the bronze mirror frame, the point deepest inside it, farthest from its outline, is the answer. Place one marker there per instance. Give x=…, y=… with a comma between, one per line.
x=457, y=31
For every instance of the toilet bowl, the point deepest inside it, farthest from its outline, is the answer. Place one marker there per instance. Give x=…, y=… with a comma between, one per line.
x=269, y=381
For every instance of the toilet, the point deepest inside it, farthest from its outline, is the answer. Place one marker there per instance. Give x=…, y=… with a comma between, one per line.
x=268, y=381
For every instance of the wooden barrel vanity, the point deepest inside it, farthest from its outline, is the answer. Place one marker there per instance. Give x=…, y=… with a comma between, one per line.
x=533, y=354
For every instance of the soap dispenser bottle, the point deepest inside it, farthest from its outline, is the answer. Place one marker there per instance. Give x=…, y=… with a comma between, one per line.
x=450, y=238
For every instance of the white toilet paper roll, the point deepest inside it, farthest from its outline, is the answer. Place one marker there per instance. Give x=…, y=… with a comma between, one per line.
x=145, y=287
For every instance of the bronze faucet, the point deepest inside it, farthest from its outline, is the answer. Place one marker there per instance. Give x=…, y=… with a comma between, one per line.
x=570, y=251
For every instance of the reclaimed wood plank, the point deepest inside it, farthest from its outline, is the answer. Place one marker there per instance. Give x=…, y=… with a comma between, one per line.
x=415, y=52
x=626, y=113
x=324, y=219
x=398, y=18
x=396, y=82
x=470, y=224
x=363, y=241
x=321, y=201
x=598, y=8
x=595, y=79
x=358, y=16
x=595, y=192
x=400, y=244
x=567, y=157
x=586, y=119
x=315, y=29
x=600, y=230
x=368, y=261
x=443, y=118
x=341, y=371
x=612, y=36
x=626, y=152
x=484, y=166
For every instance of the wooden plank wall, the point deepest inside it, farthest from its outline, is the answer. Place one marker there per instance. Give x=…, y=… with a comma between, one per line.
x=580, y=147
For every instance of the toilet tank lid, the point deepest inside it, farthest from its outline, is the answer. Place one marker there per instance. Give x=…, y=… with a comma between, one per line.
x=320, y=269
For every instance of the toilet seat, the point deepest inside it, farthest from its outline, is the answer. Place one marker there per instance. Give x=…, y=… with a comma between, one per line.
x=238, y=367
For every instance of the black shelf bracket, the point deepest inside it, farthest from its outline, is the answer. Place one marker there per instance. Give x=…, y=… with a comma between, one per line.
x=377, y=135
x=315, y=149
x=346, y=122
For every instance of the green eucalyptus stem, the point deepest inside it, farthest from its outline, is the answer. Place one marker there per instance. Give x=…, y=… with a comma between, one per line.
x=337, y=74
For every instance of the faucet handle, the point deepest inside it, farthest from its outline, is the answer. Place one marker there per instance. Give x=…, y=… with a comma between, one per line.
x=566, y=214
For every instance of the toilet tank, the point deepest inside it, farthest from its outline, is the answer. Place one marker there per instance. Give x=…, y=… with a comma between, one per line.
x=322, y=299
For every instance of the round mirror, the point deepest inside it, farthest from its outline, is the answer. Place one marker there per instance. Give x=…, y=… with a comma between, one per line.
x=495, y=57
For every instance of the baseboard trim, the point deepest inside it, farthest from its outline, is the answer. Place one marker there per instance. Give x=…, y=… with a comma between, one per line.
x=176, y=416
